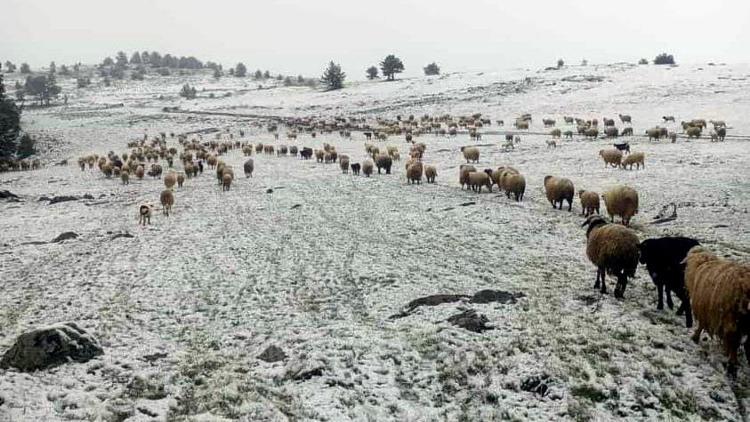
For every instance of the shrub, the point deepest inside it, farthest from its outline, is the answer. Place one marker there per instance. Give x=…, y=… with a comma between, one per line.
x=26, y=146
x=333, y=77
x=25, y=68
x=560, y=63
x=83, y=82
x=240, y=70
x=432, y=69
x=664, y=58
x=642, y=61
x=372, y=72
x=188, y=92
x=390, y=66
x=218, y=73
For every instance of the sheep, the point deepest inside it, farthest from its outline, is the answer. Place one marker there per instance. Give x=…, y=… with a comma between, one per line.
x=139, y=172
x=144, y=213
x=384, y=161
x=514, y=183
x=636, y=158
x=556, y=133
x=613, y=249
x=624, y=118
x=693, y=132
x=226, y=181
x=248, y=167
x=591, y=132
x=170, y=180
x=548, y=122
x=612, y=157
x=622, y=201
x=589, y=202
x=568, y=134
x=355, y=168
x=306, y=153
x=559, y=190
x=668, y=119
x=719, y=292
x=501, y=175
x=414, y=173
x=624, y=147
x=551, y=143
x=125, y=177
x=721, y=133
x=320, y=155
x=344, y=163
x=463, y=174
x=167, y=200
x=718, y=123
x=293, y=150
x=663, y=258
x=367, y=167
x=654, y=133
x=673, y=137
x=430, y=172
x=477, y=179
x=180, y=179
x=608, y=122
x=628, y=131
x=471, y=154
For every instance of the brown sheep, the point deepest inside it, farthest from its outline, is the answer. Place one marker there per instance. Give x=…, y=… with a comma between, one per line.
x=226, y=182
x=611, y=157
x=125, y=177
x=139, y=172
x=180, y=180
x=622, y=201
x=248, y=167
x=144, y=214
x=344, y=163
x=367, y=167
x=636, y=158
x=614, y=250
x=430, y=172
x=719, y=292
x=414, y=173
x=471, y=154
x=463, y=174
x=384, y=161
x=589, y=202
x=478, y=179
x=170, y=180
x=167, y=200
x=559, y=190
x=514, y=183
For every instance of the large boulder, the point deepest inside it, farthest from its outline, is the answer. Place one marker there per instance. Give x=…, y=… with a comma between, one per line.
x=51, y=346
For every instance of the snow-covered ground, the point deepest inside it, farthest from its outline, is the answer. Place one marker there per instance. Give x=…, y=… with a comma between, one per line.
x=315, y=262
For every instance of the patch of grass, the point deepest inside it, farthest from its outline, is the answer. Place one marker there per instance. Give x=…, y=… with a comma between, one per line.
x=589, y=392
x=579, y=411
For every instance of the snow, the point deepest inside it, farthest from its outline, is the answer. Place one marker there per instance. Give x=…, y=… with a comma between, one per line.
x=190, y=301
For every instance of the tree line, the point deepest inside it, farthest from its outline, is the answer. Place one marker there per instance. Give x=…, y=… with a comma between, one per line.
x=333, y=77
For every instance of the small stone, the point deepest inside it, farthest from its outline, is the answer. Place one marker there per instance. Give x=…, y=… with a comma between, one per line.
x=269, y=190
x=471, y=321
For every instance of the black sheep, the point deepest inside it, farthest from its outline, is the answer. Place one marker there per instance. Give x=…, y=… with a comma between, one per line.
x=663, y=257
x=355, y=168
x=623, y=147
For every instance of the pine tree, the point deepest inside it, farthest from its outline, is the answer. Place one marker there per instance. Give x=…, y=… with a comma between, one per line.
x=136, y=58
x=372, y=72
x=432, y=69
x=333, y=77
x=25, y=68
x=240, y=70
x=390, y=66
x=121, y=59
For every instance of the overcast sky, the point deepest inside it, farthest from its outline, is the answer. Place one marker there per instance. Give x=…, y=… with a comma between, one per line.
x=299, y=37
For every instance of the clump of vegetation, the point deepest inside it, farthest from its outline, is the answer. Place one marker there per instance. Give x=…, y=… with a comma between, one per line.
x=25, y=68
x=163, y=71
x=333, y=77
x=188, y=92
x=43, y=87
x=664, y=58
x=10, y=67
x=642, y=61
x=432, y=69
x=390, y=66
x=240, y=70
x=372, y=73
x=83, y=81
x=10, y=123
x=218, y=73
x=26, y=146
x=560, y=63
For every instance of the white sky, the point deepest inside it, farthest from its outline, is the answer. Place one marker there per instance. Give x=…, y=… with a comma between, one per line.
x=293, y=37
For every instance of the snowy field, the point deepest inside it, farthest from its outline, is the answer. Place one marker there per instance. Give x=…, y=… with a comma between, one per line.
x=316, y=262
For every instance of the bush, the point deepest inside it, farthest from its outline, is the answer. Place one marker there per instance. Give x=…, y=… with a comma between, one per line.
x=26, y=146
x=372, y=73
x=664, y=58
x=25, y=68
x=83, y=82
x=188, y=92
x=218, y=73
x=642, y=61
x=333, y=77
x=432, y=69
x=163, y=71
x=64, y=70
x=390, y=66
x=138, y=75
x=560, y=63
x=240, y=70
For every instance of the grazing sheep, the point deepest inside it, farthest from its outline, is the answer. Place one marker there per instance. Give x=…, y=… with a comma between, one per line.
x=226, y=181
x=463, y=174
x=384, y=161
x=591, y=132
x=293, y=150
x=414, y=173
x=477, y=179
x=654, y=133
x=514, y=183
x=125, y=177
x=636, y=158
x=721, y=133
x=719, y=292
x=624, y=118
x=249, y=166
x=344, y=163
x=589, y=202
x=367, y=167
x=559, y=190
x=471, y=154
x=614, y=250
x=548, y=122
x=628, y=131
x=139, y=172
x=320, y=155
x=430, y=172
x=170, y=180
x=355, y=168
x=611, y=157
x=144, y=213
x=663, y=258
x=622, y=201
x=624, y=147
x=167, y=200
x=693, y=132
x=608, y=122
x=568, y=134
x=673, y=137
x=668, y=119
x=180, y=180
x=306, y=153
x=551, y=143
x=556, y=133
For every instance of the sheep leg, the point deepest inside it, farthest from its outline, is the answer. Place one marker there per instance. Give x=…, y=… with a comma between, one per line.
x=660, y=303
x=669, y=300
x=696, y=337
x=570, y=205
x=732, y=343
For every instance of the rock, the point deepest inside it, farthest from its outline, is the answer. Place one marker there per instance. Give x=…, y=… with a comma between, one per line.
x=272, y=354
x=536, y=384
x=471, y=321
x=58, y=199
x=715, y=396
x=466, y=204
x=303, y=368
x=125, y=235
x=88, y=196
x=51, y=346
x=269, y=190
x=6, y=194
x=2, y=400
x=295, y=206
x=487, y=296
x=65, y=236
x=154, y=356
